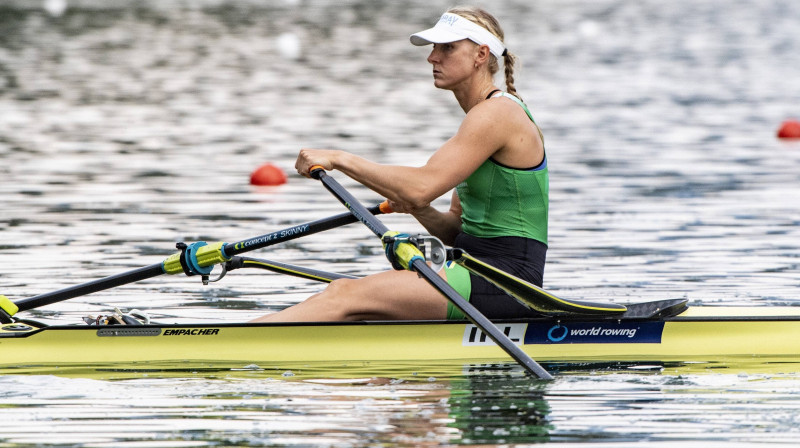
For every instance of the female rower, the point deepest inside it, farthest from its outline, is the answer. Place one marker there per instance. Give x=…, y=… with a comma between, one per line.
x=496, y=164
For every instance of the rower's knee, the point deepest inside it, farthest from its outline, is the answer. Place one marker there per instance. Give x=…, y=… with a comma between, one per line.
x=341, y=287
x=340, y=300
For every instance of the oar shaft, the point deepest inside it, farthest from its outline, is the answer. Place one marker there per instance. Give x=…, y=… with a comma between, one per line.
x=171, y=265
x=481, y=321
x=357, y=209
x=421, y=267
x=269, y=239
x=90, y=287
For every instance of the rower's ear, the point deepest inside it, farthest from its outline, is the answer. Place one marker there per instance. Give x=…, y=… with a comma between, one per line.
x=482, y=55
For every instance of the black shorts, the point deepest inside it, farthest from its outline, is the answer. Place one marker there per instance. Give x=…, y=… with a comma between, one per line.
x=521, y=257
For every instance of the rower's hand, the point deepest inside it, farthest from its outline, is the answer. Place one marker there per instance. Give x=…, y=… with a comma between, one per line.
x=314, y=157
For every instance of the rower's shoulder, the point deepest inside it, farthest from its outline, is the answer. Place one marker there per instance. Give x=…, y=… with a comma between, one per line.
x=500, y=108
x=491, y=111
x=496, y=102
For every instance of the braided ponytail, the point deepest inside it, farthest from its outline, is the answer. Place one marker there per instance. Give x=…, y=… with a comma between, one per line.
x=509, y=60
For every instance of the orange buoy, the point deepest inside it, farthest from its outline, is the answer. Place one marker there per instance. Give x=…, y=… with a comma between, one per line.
x=789, y=129
x=268, y=174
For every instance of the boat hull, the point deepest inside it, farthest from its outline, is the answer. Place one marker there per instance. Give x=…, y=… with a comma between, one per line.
x=699, y=334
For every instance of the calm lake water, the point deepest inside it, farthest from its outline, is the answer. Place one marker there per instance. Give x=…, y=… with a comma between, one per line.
x=126, y=127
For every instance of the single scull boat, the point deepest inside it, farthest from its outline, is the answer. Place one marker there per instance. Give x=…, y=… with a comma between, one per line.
x=568, y=331
x=663, y=331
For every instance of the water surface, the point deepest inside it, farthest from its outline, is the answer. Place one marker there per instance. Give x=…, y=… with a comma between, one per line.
x=127, y=127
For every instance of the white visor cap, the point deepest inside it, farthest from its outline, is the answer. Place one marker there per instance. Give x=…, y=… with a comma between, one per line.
x=452, y=27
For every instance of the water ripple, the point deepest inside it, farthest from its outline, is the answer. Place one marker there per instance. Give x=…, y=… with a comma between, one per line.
x=126, y=127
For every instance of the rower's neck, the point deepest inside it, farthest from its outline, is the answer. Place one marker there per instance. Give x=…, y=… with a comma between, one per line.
x=470, y=96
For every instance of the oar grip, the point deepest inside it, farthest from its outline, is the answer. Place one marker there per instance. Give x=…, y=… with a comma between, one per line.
x=315, y=170
x=385, y=208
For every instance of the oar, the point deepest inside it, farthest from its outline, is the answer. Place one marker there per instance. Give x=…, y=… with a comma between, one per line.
x=195, y=259
x=412, y=259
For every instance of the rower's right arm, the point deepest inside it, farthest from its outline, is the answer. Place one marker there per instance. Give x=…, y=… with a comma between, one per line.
x=402, y=184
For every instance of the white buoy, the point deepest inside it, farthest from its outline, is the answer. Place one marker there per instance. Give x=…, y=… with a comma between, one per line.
x=55, y=8
x=589, y=29
x=289, y=46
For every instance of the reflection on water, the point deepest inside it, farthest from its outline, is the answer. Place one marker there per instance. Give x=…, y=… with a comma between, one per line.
x=126, y=127
x=485, y=406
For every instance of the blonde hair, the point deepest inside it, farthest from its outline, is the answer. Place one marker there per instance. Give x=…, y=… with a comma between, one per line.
x=483, y=18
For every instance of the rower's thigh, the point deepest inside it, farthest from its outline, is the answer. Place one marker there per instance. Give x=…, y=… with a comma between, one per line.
x=390, y=295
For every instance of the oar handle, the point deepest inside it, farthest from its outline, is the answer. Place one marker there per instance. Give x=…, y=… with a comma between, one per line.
x=385, y=208
x=315, y=170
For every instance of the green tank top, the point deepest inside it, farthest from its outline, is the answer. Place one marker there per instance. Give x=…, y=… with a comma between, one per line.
x=500, y=201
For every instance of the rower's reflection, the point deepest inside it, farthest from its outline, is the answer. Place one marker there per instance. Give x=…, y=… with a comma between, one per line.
x=488, y=405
